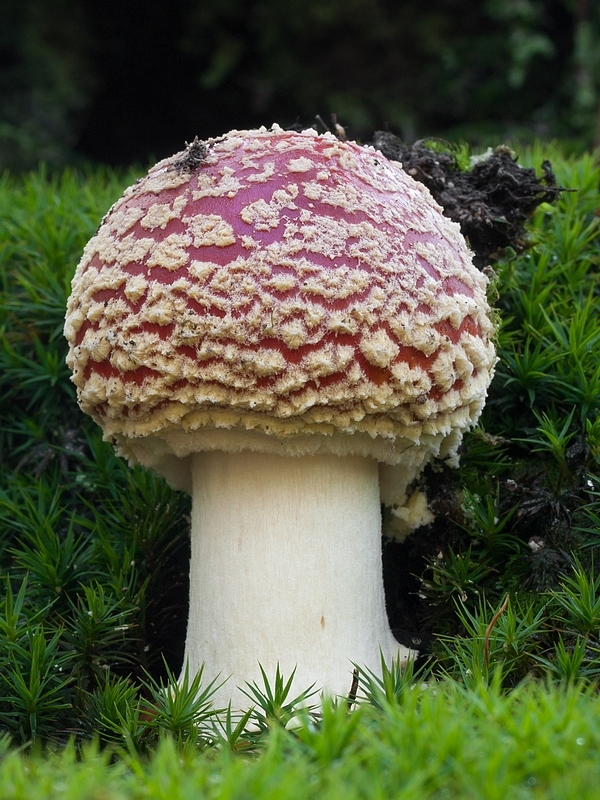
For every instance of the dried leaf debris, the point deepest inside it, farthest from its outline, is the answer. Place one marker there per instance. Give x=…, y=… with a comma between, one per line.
x=491, y=201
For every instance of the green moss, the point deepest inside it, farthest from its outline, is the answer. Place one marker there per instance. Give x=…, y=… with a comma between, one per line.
x=438, y=741
x=93, y=555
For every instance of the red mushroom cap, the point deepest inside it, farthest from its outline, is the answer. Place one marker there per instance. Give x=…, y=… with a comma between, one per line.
x=281, y=285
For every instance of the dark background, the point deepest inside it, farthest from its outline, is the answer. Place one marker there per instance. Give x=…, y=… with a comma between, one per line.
x=122, y=81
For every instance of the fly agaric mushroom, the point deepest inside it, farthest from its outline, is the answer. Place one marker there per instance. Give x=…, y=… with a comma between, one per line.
x=286, y=326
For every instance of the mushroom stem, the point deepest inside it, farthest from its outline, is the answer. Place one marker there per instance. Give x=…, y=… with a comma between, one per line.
x=286, y=569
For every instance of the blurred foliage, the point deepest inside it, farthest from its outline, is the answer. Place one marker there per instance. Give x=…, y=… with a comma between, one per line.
x=121, y=82
x=427, y=741
x=45, y=81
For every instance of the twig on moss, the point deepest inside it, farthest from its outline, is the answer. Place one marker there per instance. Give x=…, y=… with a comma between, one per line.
x=490, y=627
x=353, y=689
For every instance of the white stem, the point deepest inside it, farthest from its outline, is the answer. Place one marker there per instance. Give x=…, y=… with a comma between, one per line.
x=286, y=569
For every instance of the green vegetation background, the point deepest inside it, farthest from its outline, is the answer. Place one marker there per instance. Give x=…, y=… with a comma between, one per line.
x=93, y=561
x=119, y=82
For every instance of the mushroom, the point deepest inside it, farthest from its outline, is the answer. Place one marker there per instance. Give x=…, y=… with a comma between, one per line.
x=286, y=326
